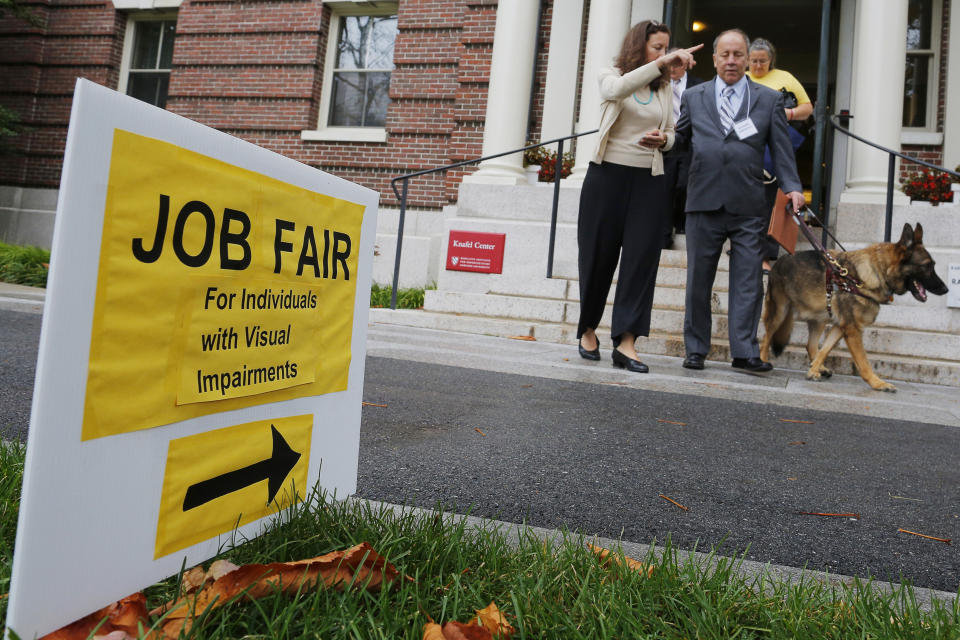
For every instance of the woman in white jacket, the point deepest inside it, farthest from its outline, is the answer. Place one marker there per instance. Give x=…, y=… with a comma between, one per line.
x=624, y=202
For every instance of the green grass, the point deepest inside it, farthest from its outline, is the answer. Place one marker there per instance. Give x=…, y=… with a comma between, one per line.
x=23, y=265
x=406, y=298
x=555, y=590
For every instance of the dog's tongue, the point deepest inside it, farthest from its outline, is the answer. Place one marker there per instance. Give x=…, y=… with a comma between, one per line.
x=918, y=291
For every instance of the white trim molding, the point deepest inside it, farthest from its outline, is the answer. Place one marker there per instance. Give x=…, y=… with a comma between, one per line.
x=146, y=5
x=346, y=134
x=915, y=136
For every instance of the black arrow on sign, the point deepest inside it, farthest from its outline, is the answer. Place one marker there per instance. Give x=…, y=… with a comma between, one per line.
x=273, y=469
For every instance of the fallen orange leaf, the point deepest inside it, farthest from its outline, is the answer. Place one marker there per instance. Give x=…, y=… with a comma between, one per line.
x=480, y=432
x=528, y=338
x=358, y=565
x=454, y=630
x=493, y=620
x=490, y=623
x=122, y=616
x=682, y=424
x=606, y=558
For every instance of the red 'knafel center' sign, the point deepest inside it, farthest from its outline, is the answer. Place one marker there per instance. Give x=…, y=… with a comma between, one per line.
x=475, y=251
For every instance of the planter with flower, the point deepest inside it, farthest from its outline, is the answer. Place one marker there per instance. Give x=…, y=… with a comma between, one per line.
x=928, y=186
x=546, y=160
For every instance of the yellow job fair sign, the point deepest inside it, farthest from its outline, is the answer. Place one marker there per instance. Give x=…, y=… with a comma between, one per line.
x=201, y=355
x=218, y=288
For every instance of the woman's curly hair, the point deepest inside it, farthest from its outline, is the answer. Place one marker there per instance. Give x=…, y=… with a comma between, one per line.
x=633, y=52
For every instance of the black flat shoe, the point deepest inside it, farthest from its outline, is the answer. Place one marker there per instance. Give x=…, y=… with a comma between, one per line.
x=589, y=355
x=624, y=362
x=752, y=365
x=693, y=361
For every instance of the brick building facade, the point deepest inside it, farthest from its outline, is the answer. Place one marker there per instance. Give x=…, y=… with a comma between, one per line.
x=255, y=70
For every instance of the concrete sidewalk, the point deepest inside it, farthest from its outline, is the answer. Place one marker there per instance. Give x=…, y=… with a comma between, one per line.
x=15, y=297
x=915, y=402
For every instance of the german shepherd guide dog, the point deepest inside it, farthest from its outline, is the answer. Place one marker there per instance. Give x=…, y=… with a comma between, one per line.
x=797, y=286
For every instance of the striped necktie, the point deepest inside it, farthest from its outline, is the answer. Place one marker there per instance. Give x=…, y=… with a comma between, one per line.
x=726, y=110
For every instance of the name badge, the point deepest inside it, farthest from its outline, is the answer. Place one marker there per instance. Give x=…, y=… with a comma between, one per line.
x=745, y=128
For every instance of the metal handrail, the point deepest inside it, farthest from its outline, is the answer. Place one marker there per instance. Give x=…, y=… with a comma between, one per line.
x=553, y=217
x=891, y=166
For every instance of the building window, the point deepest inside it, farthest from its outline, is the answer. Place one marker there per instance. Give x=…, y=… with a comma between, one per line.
x=357, y=71
x=921, y=79
x=148, y=57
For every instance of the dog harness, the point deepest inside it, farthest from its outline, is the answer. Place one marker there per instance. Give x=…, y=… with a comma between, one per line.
x=837, y=277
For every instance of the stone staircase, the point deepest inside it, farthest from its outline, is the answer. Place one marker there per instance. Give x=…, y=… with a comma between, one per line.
x=910, y=341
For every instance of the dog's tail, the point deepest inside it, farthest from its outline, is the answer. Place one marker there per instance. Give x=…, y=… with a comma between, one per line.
x=777, y=320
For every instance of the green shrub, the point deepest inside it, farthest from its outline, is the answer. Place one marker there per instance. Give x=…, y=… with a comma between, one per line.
x=406, y=298
x=24, y=265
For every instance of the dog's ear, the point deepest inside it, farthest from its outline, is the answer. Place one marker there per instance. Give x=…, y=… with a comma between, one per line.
x=918, y=234
x=906, y=238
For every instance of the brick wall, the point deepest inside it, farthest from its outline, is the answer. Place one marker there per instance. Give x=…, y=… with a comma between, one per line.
x=39, y=66
x=255, y=70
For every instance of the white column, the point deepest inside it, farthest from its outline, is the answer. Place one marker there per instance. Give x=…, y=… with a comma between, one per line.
x=609, y=21
x=647, y=10
x=951, y=126
x=560, y=88
x=876, y=100
x=508, y=98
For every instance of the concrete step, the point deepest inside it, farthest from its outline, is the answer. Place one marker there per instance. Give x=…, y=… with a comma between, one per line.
x=668, y=316
x=888, y=366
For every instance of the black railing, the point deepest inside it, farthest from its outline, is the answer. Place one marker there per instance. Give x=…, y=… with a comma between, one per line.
x=402, y=197
x=891, y=165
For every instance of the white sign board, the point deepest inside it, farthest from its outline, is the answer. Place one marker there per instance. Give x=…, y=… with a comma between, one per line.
x=953, y=282
x=201, y=354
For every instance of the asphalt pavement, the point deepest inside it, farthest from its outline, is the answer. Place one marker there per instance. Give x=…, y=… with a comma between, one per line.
x=529, y=432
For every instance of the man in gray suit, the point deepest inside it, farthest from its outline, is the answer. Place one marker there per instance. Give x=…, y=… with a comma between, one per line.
x=726, y=124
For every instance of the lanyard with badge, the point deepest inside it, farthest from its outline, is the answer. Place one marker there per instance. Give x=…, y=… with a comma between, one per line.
x=745, y=128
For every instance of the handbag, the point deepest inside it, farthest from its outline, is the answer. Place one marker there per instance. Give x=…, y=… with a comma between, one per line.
x=789, y=98
x=782, y=227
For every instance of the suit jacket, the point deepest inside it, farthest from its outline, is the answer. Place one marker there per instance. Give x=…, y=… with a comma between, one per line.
x=726, y=171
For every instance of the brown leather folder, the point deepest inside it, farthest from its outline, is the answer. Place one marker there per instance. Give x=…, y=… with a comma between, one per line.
x=782, y=227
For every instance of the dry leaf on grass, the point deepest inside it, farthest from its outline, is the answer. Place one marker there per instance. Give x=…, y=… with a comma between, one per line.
x=493, y=620
x=359, y=565
x=606, y=558
x=122, y=617
x=489, y=624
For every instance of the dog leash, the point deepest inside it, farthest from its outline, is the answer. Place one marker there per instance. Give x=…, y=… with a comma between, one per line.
x=836, y=276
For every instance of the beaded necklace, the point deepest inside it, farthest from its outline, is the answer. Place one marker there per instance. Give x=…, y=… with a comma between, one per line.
x=647, y=100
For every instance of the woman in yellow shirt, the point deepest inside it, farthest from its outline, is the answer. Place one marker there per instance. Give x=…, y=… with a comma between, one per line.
x=762, y=56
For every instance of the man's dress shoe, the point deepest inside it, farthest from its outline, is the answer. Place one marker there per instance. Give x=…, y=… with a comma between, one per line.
x=693, y=361
x=624, y=362
x=752, y=365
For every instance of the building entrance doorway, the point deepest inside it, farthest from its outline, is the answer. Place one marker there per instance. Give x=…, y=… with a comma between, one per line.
x=792, y=26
